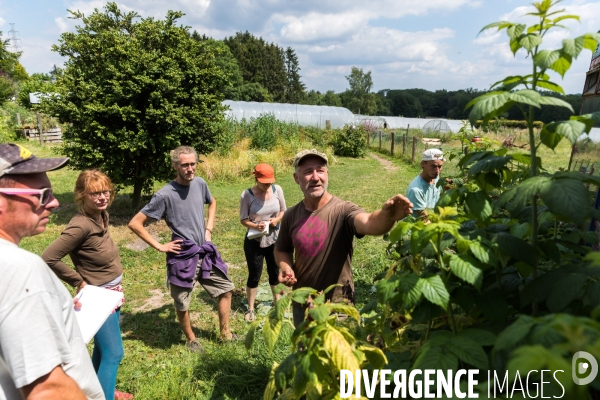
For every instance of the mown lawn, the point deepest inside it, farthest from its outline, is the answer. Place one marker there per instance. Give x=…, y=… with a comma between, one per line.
x=157, y=364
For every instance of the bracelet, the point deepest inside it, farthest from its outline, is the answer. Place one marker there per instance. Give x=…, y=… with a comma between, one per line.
x=210, y=230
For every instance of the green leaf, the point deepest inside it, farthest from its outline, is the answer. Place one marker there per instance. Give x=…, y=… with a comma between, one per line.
x=515, y=31
x=387, y=288
x=480, y=252
x=249, y=339
x=462, y=267
x=530, y=41
x=339, y=350
x=488, y=105
x=522, y=158
x=550, y=250
x=550, y=86
x=435, y=357
x=411, y=289
x=562, y=65
x=545, y=58
x=550, y=139
x=514, y=333
x=435, y=291
x=515, y=247
x=270, y=331
x=590, y=41
x=399, y=231
x=487, y=164
x=527, y=358
x=565, y=290
x=520, y=230
x=523, y=193
x=480, y=336
x=500, y=25
x=566, y=198
x=319, y=313
x=573, y=47
x=351, y=311
x=554, y=101
x=468, y=351
x=526, y=96
x=479, y=204
x=374, y=355
x=301, y=295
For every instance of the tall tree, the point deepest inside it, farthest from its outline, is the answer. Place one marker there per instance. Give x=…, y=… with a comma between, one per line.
x=132, y=89
x=294, y=87
x=359, y=98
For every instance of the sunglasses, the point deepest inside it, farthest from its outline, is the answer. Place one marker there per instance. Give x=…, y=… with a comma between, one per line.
x=44, y=194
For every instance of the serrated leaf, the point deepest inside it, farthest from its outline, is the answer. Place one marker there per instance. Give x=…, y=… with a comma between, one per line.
x=514, y=333
x=515, y=247
x=271, y=329
x=249, y=339
x=562, y=65
x=319, y=313
x=463, y=268
x=468, y=351
x=573, y=47
x=271, y=388
x=554, y=101
x=520, y=230
x=480, y=336
x=522, y=158
x=550, y=86
x=339, y=350
x=550, y=139
x=399, y=231
x=523, y=193
x=480, y=252
x=375, y=356
x=487, y=105
x=566, y=198
x=351, y=311
x=411, y=288
x=545, y=58
x=530, y=41
x=301, y=295
x=479, y=204
x=526, y=96
x=436, y=357
x=487, y=164
x=515, y=31
x=435, y=291
x=500, y=25
x=565, y=290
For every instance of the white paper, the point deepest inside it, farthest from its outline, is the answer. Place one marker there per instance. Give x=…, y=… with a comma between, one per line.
x=96, y=305
x=255, y=233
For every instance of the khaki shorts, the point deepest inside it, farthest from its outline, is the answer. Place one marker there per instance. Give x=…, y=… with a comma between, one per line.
x=215, y=286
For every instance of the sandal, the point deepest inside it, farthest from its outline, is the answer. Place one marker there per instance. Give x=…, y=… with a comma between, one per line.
x=249, y=316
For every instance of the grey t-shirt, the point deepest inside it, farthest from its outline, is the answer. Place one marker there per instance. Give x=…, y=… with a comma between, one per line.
x=258, y=210
x=182, y=207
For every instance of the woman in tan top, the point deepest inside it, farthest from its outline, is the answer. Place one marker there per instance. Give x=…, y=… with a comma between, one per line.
x=96, y=258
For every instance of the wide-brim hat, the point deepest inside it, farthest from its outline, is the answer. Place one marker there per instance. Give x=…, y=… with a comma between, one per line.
x=15, y=159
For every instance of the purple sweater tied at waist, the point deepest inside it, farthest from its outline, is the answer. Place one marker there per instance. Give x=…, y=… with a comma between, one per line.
x=181, y=268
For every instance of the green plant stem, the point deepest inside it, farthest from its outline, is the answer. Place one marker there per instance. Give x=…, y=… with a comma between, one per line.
x=534, y=208
x=445, y=277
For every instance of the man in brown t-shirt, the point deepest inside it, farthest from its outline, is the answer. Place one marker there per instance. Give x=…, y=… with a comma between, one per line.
x=315, y=243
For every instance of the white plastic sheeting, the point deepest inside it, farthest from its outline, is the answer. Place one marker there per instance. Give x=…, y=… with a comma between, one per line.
x=301, y=114
x=401, y=122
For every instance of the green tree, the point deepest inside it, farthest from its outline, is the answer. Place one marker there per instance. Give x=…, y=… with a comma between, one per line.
x=37, y=83
x=132, y=89
x=331, y=99
x=294, y=87
x=359, y=98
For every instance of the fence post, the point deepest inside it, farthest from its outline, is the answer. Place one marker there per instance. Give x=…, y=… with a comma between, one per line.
x=404, y=143
x=414, y=149
x=392, y=148
x=18, y=120
x=39, y=122
x=380, y=133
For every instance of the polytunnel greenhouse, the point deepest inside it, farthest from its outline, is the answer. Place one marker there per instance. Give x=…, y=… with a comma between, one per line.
x=305, y=115
x=430, y=124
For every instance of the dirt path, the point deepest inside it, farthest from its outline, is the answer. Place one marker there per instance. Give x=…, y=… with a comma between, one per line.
x=387, y=164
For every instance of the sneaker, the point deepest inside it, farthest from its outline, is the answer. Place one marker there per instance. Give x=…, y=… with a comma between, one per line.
x=196, y=347
x=122, y=395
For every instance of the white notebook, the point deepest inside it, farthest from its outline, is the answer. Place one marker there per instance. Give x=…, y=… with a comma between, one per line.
x=255, y=233
x=96, y=305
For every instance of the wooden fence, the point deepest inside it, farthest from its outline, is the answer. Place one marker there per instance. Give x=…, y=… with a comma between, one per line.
x=52, y=135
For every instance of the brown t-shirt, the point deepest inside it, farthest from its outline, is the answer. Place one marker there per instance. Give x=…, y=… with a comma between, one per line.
x=94, y=254
x=322, y=243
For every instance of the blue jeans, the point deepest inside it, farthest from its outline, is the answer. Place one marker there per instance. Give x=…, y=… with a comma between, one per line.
x=108, y=353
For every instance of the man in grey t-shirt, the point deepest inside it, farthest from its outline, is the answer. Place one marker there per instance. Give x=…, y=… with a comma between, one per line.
x=181, y=203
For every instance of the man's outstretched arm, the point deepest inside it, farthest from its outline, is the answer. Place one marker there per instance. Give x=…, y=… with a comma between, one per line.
x=381, y=221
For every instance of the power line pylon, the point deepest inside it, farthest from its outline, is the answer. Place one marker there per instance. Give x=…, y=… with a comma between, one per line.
x=14, y=39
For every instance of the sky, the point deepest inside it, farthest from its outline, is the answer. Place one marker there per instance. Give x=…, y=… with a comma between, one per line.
x=428, y=44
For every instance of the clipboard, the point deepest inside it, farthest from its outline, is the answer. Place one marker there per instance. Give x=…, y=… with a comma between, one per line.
x=96, y=305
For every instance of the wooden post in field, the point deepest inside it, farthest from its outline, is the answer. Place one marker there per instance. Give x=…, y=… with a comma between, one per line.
x=18, y=120
x=392, y=148
x=380, y=133
x=403, y=143
x=573, y=151
x=414, y=149
x=39, y=123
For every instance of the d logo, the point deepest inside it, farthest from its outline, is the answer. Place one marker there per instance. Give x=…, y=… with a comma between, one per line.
x=582, y=367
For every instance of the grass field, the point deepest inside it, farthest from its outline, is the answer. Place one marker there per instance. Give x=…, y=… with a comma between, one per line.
x=157, y=364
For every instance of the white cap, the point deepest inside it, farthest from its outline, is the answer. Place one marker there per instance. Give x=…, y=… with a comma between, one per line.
x=433, y=155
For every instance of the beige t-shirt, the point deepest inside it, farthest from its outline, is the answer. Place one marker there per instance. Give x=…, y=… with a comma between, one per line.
x=258, y=210
x=322, y=243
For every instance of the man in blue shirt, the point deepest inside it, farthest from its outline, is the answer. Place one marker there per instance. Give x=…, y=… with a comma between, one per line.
x=422, y=191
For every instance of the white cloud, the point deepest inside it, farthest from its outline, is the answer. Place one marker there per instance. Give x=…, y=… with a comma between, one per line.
x=61, y=24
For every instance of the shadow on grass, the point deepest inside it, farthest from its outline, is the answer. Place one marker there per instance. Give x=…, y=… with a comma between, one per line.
x=158, y=328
